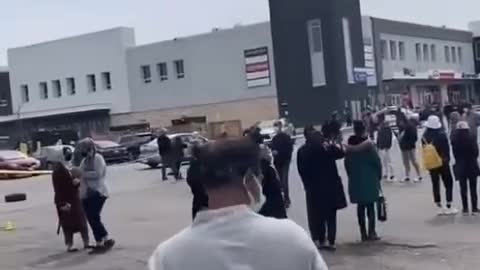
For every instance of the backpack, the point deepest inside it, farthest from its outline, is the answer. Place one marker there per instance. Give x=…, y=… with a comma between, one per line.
x=431, y=158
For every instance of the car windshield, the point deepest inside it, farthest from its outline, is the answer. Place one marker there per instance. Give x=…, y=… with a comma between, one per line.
x=11, y=155
x=266, y=124
x=106, y=144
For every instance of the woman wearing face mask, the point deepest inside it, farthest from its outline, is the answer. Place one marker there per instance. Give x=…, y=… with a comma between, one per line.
x=69, y=207
x=94, y=193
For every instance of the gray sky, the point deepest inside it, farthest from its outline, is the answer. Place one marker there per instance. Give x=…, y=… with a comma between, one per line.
x=25, y=22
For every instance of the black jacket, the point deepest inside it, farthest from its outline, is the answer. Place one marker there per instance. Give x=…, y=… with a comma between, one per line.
x=384, y=138
x=465, y=151
x=409, y=138
x=274, y=205
x=318, y=170
x=164, y=145
x=200, y=197
x=282, y=143
x=439, y=139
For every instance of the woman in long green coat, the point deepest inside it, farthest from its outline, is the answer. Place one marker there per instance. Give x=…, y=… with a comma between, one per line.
x=364, y=171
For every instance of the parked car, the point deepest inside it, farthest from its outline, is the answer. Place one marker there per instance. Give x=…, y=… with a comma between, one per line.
x=149, y=152
x=16, y=160
x=133, y=142
x=48, y=155
x=112, y=151
x=267, y=128
x=391, y=115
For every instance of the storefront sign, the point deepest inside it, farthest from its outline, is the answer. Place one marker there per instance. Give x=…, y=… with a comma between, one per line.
x=257, y=67
x=442, y=75
x=469, y=76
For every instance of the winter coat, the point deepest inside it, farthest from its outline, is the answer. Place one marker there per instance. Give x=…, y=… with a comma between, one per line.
x=408, y=138
x=364, y=171
x=439, y=139
x=66, y=191
x=384, y=138
x=177, y=149
x=318, y=170
x=164, y=145
x=200, y=197
x=465, y=151
x=274, y=205
x=282, y=145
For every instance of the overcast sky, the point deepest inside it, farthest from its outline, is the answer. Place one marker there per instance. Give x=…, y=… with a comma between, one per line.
x=24, y=22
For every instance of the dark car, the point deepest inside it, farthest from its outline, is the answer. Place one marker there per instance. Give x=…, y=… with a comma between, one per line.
x=112, y=151
x=133, y=142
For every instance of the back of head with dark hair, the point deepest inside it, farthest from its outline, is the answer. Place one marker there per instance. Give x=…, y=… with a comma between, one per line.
x=359, y=127
x=227, y=162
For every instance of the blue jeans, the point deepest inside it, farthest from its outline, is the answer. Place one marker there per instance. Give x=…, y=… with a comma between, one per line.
x=93, y=206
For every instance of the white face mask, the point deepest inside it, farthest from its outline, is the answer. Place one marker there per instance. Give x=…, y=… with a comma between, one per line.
x=254, y=190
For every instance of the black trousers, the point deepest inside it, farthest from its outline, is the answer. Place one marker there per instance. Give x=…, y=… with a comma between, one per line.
x=445, y=174
x=169, y=162
x=93, y=206
x=328, y=226
x=365, y=211
x=283, y=170
x=465, y=185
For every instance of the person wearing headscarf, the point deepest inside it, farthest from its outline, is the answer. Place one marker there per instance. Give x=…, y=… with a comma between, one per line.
x=70, y=212
x=465, y=150
x=230, y=234
x=94, y=193
x=436, y=135
x=316, y=162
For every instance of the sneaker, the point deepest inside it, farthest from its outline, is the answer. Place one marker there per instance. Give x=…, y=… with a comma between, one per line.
x=475, y=212
x=441, y=211
x=418, y=180
x=465, y=213
x=373, y=237
x=451, y=211
x=331, y=247
x=391, y=179
x=406, y=180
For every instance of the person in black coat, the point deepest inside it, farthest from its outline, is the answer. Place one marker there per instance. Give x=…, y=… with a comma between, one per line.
x=200, y=197
x=165, y=150
x=282, y=149
x=465, y=150
x=437, y=136
x=324, y=191
x=274, y=205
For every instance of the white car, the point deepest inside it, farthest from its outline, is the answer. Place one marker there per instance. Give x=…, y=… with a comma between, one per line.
x=149, y=152
x=267, y=128
x=391, y=117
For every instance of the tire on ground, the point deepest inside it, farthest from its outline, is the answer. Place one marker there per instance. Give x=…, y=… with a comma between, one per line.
x=16, y=197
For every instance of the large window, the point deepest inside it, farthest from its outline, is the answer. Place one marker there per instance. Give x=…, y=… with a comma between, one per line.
x=393, y=50
x=57, y=88
x=348, y=50
x=179, y=69
x=162, y=71
x=433, y=52
x=454, y=54
x=426, y=55
x=106, y=81
x=401, y=50
x=315, y=41
x=146, y=74
x=460, y=55
x=25, y=93
x=383, y=49
x=91, y=83
x=71, y=87
x=43, y=90
x=418, y=51
x=447, y=54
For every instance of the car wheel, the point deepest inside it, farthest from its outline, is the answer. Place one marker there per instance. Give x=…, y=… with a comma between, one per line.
x=153, y=165
x=16, y=197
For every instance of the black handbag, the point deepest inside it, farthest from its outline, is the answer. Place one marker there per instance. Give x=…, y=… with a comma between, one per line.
x=382, y=213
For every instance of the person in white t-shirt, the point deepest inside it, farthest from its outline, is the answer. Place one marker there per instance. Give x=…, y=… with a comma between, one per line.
x=230, y=235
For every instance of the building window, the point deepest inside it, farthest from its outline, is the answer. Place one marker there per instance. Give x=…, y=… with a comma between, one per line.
x=106, y=80
x=383, y=49
x=454, y=54
x=393, y=50
x=57, y=88
x=91, y=83
x=179, y=69
x=447, y=54
x=418, y=51
x=460, y=55
x=146, y=74
x=425, y=52
x=401, y=50
x=162, y=71
x=43, y=90
x=71, y=90
x=348, y=50
x=25, y=93
x=477, y=50
x=433, y=52
x=315, y=41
